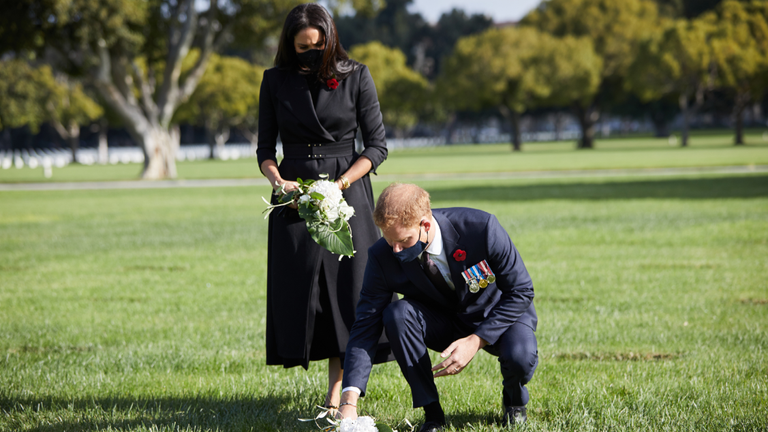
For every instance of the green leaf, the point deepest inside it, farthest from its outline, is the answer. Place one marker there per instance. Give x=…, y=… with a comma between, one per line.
x=306, y=212
x=383, y=428
x=317, y=195
x=338, y=242
x=287, y=197
x=338, y=224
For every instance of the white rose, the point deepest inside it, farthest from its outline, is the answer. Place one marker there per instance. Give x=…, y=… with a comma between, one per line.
x=346, y=211
x=327, y=189
x=361, y=424
x=331, y=211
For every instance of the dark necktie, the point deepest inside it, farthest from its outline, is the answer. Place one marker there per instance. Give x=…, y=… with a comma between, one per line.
x=435, y=276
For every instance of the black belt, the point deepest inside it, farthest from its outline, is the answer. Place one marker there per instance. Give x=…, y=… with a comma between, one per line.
x=319, y=151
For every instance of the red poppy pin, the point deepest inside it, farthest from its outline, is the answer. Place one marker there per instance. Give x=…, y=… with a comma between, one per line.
x=459, y=255
x=332, y=83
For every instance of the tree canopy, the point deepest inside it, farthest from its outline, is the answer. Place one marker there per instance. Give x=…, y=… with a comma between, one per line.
x=739, y=47
x=516, y=69
x=674, y=63
x=226, y=97
x=614, y=27
x=402, y=91
x=132, y=51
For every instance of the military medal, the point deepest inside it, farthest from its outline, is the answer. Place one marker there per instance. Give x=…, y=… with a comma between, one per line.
x=487, y=270
x=473, y=285
x=480, y=279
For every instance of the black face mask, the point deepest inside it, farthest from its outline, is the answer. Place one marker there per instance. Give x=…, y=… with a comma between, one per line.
x=311, y=59
x=413, y=252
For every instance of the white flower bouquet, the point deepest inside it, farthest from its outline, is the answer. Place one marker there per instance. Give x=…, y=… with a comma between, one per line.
x=321, y=204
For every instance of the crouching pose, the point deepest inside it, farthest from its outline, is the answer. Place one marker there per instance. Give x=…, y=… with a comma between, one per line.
x=464, y=288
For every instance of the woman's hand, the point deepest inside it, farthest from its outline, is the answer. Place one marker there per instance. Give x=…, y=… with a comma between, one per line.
x=286, y=186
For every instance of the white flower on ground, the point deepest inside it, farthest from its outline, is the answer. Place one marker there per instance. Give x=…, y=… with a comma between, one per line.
x=361, y=424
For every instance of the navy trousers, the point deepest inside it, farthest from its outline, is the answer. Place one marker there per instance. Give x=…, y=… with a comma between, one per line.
x=412, y=327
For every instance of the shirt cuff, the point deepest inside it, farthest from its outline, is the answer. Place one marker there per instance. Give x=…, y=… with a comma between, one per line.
x=352, y=389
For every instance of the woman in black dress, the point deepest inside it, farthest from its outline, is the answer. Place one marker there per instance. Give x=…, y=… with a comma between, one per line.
x=315, y=98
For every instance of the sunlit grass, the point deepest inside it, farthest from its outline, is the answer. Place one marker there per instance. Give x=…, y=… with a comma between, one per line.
x=144, y=310
x=707, y=148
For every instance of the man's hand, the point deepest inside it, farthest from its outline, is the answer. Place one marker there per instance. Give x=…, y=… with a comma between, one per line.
x=345, y=409
x=461, y=352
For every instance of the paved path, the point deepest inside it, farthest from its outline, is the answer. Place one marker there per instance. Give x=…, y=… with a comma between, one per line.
x=139, y=184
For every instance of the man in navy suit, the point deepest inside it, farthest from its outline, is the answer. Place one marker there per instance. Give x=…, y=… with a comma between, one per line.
x=464, y=287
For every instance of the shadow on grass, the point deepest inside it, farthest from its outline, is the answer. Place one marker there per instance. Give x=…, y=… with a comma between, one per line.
x=263, y=413
x=751, y=186
x=473, y=416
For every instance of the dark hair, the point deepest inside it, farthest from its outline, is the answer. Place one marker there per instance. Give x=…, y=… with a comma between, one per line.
x=336, y=62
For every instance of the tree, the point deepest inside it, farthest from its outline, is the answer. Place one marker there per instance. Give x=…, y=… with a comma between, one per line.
x=515, y=69
x=394, y=26
x=21, y=95
x=227, y=94
x=740, y=54
x=31, y=96
x=614, y=27
x=675, y=63
x=435, y=43
x=402, y=91
x=133, y=50
x=67, y=107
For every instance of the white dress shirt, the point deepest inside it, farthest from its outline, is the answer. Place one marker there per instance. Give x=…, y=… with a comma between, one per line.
x=438, y=255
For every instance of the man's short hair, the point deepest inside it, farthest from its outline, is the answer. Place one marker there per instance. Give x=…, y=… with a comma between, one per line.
x=401, y=203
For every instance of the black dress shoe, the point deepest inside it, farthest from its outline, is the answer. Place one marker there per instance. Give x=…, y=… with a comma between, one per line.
x=431, y=426
x=515, y=415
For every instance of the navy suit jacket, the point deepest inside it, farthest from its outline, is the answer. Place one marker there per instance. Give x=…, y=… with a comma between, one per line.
x=487, y=313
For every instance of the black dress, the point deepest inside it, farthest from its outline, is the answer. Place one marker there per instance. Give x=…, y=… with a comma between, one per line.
x=311, y=295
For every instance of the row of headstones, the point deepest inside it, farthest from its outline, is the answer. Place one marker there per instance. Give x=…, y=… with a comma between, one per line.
x=59, y=158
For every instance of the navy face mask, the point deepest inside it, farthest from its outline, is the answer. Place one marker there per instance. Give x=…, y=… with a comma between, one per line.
x=311, y=59
x=413, y=252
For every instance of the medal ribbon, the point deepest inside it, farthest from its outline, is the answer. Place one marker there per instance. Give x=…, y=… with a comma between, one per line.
x=477, y=273
x=486, y=268
x=466, y=279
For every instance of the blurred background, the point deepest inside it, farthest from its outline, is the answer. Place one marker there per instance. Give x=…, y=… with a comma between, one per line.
x=153, y=82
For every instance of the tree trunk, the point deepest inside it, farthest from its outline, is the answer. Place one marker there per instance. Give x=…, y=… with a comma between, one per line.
x=588, y=117
x=742, y=99
x=517, y=136
x=221, y=138
x=252, y=137
x=210, y=136
x=103, y=143
x=160, y=148
x=683, y=101
x=513, y=117
x=74, y=139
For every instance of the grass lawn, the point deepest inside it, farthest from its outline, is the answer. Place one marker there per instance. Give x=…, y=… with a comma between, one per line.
x=706, y=149
x=143, y=310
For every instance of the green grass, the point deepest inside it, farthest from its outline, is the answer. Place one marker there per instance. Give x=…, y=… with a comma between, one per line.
x=143, y=310
x=707, y=148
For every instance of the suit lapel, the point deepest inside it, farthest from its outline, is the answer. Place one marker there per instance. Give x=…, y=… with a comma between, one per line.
x=296, y=98
x=451, y=240
x=416, y=275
